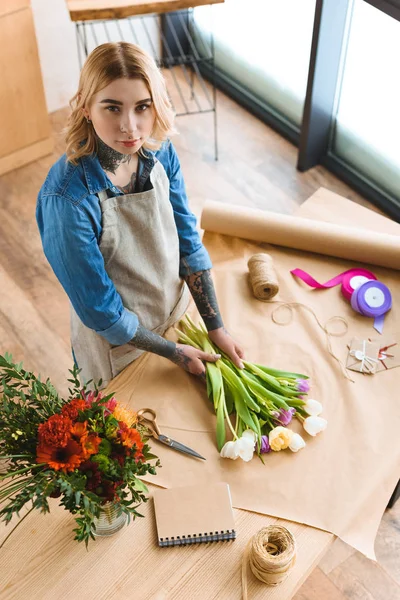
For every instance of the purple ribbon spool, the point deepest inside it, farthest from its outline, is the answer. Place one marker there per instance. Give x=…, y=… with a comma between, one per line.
x=372, y=299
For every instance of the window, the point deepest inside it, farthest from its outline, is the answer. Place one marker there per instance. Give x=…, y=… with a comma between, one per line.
x=265, y=47
x=367, y=123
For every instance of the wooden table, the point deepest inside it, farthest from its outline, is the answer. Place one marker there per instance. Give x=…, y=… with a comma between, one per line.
x=41, y=561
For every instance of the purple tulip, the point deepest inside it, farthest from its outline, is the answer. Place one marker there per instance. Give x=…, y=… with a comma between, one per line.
x=264, y=445
x=302, y=385
x=285, y=416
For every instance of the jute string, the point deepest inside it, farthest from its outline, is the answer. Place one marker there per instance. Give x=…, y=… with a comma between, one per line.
x=271, y=554
x=265, y=286
x=263, y=277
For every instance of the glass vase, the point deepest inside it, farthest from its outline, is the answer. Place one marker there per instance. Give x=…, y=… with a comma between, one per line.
x=111, y=520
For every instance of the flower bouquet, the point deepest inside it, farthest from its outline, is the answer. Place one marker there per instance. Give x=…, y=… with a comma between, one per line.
x=87, y=450
x=261, y=401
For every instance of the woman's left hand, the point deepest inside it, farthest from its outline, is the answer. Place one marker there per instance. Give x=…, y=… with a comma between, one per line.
x=221, y=338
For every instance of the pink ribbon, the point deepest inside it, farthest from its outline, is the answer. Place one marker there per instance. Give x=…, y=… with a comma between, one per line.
x=366, y=295
x=350, y=280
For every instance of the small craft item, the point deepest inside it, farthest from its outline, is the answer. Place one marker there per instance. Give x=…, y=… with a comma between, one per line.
x=350, y=280
x=147, y=418
x=271, y=554
x=389, y=355
x=363, y=356
x=373, y=356
x=372, y=299
x=263, y=277
x=367, y=296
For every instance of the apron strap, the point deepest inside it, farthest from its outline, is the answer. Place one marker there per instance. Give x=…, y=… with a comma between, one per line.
x=102, y=195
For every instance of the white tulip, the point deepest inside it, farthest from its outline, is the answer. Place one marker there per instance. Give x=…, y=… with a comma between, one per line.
x=250, y=435
x=314, y=425
x=313, y=407
x=245, y=448
x=242, y=447
x=296, y=443
x=230, y=450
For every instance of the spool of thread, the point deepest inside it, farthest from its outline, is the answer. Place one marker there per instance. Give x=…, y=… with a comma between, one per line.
x=372, y=299
x=271, y=554
x=263, y=277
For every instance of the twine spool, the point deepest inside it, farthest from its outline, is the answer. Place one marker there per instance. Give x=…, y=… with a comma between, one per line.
x=263, y=277
x=271, y=554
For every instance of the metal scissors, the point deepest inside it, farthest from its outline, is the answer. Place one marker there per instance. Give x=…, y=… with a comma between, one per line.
x=147, y=417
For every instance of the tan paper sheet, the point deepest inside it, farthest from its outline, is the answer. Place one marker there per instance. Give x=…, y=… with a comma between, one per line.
x=341, y=482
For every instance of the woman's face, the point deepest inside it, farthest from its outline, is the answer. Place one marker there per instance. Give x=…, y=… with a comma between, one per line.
x=122, y=114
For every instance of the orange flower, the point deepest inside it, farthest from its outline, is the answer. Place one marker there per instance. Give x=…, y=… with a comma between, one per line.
x=90, y=444
x=130, y=437
x=56, y=431
x=72, y=409
x=127, y=416
x=63, y=458
x=79, y=430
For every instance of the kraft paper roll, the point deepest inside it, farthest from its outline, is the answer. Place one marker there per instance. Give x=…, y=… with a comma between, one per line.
x=302, y=234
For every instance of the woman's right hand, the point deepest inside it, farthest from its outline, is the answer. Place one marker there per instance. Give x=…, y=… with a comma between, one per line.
x=191, y=359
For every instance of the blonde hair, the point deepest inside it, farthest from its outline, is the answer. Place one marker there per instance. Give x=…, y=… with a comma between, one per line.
x=105, y=64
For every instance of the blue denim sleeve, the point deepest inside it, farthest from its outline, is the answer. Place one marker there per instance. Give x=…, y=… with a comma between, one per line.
x=193, y=255
x=70, y=243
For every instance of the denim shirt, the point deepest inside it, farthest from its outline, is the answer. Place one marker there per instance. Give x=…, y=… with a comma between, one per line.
x=69, y=218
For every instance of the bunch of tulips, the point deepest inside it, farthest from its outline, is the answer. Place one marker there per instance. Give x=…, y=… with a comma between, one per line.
x=254, y=405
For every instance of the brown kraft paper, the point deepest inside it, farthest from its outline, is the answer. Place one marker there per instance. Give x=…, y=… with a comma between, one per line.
x=341, y=482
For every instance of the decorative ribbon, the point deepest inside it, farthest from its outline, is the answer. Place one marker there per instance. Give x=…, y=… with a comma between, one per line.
x=372, y=299
x=367, y=362
x=350, y=280
x=367, y=296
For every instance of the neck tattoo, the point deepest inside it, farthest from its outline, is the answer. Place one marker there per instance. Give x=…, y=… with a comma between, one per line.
x=109, y=158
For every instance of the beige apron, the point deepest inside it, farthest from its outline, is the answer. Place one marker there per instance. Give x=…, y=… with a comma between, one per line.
x=140, y=247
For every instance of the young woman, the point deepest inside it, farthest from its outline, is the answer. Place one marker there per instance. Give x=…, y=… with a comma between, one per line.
x=116, y=226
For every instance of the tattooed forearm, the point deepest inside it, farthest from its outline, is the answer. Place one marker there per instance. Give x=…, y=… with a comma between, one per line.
x=151, y=342
x=144, y=339
x=202, y=289
x=180, y=359
x=110, y=159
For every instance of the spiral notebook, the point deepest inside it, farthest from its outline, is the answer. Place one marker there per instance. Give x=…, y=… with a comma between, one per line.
x=194, y=514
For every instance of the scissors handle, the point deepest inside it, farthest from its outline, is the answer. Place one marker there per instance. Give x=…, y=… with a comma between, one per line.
x=148, y=417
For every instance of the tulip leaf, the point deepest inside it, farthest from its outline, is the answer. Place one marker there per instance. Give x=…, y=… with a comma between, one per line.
x=229, y=402
x=257, y=426
x=236, y=383
x=242, y=409
x=221, y=433
x=276, y=372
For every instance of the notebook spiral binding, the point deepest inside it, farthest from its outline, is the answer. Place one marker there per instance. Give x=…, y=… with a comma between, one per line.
x=198, y=538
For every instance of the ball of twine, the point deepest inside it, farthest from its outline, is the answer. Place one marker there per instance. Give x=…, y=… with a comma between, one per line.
x=271, y=554
x=263, y=277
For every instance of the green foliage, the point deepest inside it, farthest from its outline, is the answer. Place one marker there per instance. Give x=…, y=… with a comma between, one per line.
x=26, y=402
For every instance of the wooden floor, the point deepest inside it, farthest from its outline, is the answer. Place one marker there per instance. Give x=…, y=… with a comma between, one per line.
x=256, y=168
